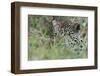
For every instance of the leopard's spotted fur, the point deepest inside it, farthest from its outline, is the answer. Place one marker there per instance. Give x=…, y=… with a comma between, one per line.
x=71, y=33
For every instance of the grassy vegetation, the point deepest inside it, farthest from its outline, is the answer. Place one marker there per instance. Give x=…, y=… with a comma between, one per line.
x=43, y=44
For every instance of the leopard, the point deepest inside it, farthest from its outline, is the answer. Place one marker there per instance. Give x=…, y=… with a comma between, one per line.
x=72, y=33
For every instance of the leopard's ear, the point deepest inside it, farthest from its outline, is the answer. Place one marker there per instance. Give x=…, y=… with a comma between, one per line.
x=76, y=27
